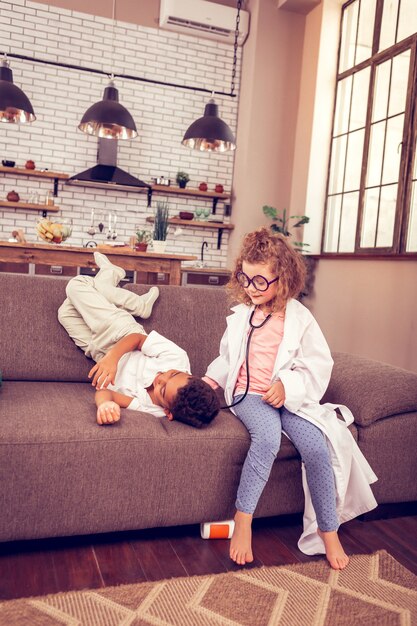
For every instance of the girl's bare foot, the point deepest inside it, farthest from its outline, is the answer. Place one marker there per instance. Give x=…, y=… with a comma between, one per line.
x=335, y=553
x=241, y=541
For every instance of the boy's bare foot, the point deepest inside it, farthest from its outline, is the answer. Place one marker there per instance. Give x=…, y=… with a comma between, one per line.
x=241, y=541
x=335, y=553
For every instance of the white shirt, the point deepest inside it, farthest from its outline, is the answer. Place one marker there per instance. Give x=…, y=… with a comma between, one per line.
x=137, y=370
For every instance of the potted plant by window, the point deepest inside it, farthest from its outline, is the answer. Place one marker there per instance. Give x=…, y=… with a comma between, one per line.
x=283, y=223
x=143, y=237
x=182, y=179
x=160, y=229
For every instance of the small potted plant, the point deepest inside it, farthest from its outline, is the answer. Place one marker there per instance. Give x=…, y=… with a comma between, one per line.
x=283, y=223
x=160, y=229
x=182, y=179
x=143, y=237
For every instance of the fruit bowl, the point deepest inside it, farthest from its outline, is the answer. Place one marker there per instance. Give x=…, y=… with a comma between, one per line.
x=53, y=232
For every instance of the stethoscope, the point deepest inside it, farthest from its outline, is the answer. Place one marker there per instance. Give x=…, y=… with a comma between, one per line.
x=252, y=329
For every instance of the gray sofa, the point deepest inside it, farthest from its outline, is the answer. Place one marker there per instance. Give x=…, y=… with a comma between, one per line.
x=62, y=474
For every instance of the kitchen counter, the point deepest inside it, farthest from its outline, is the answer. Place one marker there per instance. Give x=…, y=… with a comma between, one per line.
x=73, y=256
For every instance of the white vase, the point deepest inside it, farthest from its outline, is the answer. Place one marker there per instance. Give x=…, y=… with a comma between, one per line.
x=159, y=246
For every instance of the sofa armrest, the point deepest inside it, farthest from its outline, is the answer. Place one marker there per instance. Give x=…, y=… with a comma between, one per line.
x=371, y=389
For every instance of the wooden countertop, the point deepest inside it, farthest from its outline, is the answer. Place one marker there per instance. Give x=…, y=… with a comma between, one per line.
x=108, y=250
x=76, y=256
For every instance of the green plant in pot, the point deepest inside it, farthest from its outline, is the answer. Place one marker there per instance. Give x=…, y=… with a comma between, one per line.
x=160, y=229
x=281, y=223
x=143, y=237
x=182, y=179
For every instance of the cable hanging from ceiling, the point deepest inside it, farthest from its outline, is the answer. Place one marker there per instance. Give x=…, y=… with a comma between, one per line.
x=210, y=133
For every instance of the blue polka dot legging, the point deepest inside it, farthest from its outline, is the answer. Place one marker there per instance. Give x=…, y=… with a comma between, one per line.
x=264, y=424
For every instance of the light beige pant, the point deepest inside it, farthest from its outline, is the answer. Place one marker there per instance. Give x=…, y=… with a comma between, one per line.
x=97, y=313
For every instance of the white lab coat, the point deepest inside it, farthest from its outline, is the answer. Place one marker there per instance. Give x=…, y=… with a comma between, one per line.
x=304, y=365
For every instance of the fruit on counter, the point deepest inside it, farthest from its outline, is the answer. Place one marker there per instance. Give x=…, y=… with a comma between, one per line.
x=30, y=165
x=53, y=232
x=219, y=189
x=203, y=187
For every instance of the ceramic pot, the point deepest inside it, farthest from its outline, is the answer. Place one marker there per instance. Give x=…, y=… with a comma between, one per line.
x=159, y=246
x=182, y=184
x=30, y=165
x=141, y=246
x=13, y=196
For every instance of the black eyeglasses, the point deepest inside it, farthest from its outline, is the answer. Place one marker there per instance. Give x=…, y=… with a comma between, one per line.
x=259, y=282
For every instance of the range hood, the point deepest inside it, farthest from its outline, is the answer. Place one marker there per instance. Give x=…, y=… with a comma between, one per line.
x=106, y=174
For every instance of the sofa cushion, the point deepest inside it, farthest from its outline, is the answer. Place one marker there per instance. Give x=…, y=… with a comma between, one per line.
x=34, y=344
x=71, y=476
x=372, y=390
x=389, y=445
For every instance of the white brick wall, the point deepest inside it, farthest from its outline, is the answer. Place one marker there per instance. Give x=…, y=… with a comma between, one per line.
x=60, y=96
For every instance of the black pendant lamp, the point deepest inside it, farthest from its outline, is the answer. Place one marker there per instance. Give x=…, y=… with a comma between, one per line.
x=15, y=106
x=108, y=118
x=209, y=133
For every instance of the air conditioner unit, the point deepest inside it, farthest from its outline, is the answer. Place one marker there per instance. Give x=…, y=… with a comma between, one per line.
x=203, y=19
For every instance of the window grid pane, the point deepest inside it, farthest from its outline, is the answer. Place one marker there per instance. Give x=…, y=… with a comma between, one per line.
x=344, y=92
x=349, y=215
x=365, y=30
x=349, y=31
x=337, y=168
x=353, y=168
x=370, y=217
x=407, y=23
x=386, y=216
x=331, y=242
x=389, y=24
x=392, y=150
x=359, y=104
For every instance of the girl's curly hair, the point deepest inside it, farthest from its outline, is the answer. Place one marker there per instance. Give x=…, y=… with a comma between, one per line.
x=264, y=246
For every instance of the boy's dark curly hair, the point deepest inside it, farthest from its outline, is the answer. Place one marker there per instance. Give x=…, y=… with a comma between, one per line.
x=195, y=404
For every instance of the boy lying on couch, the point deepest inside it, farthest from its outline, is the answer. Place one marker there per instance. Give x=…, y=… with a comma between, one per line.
x=133, y=370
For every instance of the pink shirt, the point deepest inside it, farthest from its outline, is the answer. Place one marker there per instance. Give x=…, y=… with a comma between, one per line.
x=262, y=353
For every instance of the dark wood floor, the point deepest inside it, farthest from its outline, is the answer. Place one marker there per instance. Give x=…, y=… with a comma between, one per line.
x=47, y=566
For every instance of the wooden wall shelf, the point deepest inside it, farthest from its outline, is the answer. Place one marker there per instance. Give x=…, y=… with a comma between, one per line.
x=189, y=191
x=22, y=171
x=220, y=226
x=51, y=208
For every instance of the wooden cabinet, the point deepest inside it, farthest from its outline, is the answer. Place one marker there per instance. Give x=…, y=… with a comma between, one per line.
x=55, y=270
x=205, y=276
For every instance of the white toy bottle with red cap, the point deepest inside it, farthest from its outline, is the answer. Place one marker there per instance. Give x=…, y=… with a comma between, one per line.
x=217, y=530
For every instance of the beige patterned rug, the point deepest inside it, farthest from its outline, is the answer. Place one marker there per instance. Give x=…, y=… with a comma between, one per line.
x=374, y=590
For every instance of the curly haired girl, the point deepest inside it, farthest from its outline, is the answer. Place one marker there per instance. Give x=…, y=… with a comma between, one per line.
x=274, y=336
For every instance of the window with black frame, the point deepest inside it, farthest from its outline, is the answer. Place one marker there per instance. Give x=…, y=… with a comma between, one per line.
x=371, y=201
